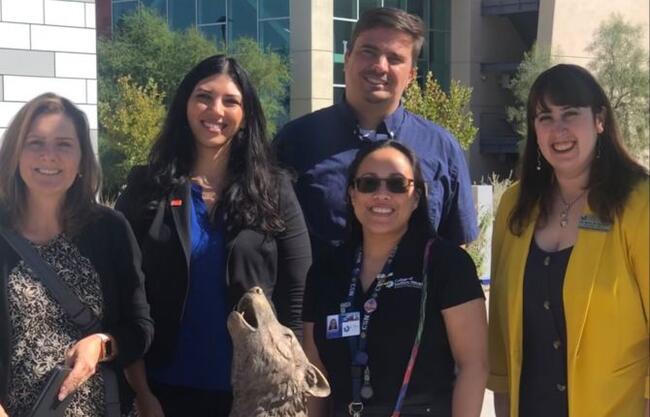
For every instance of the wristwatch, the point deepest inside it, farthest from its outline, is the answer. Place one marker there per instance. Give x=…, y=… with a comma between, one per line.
x=107, y=347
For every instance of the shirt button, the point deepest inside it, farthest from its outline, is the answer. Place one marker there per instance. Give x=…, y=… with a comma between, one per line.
x=560, y=387
x=547, y=261
x=557, y=344
x=547, y=305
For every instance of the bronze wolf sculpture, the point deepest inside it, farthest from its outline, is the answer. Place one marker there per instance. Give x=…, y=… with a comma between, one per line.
x=271, y=376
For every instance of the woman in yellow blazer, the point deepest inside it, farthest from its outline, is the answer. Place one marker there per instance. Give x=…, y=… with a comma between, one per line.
x=570, y=289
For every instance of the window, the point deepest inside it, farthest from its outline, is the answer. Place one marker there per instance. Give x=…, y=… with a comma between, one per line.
x=346, y=9
x=367, y=5
x=182, y=13
x=122, y=8
x=242, y=19
x=275, y=33
x=160, y=6
x=212, y=11
x=274, y=8
x=216, y=33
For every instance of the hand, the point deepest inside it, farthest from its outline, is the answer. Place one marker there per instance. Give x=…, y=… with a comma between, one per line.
x=147, y=405
x=2, y=412
x=83, y=358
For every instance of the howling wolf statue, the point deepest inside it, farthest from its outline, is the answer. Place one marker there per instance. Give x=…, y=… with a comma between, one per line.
x=271, y=376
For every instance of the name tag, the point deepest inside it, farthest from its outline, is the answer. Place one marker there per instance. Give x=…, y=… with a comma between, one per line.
x=593, y=223
x=343, y=325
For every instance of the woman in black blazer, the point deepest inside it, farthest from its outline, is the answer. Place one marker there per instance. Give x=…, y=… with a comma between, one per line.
x=213, y=217
x=48, y=188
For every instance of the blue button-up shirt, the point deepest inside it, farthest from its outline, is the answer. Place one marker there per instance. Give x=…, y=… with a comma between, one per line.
x=320, y=146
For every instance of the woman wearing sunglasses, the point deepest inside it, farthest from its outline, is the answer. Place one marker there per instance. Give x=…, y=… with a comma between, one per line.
x=409, y=304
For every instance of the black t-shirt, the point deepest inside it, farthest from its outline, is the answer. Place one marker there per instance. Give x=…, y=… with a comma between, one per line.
x=393, y=325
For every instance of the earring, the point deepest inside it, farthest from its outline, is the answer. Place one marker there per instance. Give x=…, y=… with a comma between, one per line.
x=598, y=147
x=538, y=167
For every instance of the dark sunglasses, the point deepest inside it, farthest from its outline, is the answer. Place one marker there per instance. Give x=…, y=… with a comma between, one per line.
x=396, y=185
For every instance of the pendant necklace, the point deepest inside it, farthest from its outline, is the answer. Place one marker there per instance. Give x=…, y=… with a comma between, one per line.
x=564, y=213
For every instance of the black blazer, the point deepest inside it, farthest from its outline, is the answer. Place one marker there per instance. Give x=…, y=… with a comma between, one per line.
x=278, y=264
x=109, y=244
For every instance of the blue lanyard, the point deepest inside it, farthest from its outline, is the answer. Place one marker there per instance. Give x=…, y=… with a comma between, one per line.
x=358, y=344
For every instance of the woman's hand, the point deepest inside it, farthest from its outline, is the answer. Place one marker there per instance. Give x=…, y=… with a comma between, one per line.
x=2, y=412
x=83, y=358
x=147, y=405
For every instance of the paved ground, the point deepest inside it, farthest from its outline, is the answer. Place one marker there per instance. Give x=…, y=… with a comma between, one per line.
x=488, y=405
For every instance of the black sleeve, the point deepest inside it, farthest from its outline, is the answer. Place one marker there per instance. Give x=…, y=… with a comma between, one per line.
x=129, y=201
x=134, y=330
x=309, y=309
x=294, y=259
x=453, y=275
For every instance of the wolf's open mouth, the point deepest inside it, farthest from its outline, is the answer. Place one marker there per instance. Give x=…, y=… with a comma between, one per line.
x=245, y=308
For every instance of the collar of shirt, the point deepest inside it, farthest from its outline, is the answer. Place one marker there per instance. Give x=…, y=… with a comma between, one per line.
x=390, y=125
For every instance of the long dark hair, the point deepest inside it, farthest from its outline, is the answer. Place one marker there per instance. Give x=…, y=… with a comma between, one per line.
x=250, y=197
x=80, y=199
x=613, y=173
x=419, y=221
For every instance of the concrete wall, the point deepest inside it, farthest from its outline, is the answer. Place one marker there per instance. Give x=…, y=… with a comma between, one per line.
x=47, y=45
x=477, y=39
x=312, y=43
x=568, y=26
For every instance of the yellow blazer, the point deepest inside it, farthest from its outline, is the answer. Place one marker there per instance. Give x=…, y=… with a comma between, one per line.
x=606, y=306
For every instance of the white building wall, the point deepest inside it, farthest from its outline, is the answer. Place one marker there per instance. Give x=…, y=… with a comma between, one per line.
x=48, y=46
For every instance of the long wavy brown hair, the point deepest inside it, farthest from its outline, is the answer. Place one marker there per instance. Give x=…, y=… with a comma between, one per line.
x=613, y=174
x=80, y=199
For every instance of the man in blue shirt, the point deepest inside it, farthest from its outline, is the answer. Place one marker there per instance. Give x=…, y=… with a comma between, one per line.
x=379, y=65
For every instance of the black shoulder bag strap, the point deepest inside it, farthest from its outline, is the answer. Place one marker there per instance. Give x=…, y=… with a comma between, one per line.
x=76, y=311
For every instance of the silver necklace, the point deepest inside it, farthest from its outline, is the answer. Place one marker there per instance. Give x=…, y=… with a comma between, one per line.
x=564, y=213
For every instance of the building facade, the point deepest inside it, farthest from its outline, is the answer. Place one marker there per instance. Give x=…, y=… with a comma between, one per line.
x=47, y=45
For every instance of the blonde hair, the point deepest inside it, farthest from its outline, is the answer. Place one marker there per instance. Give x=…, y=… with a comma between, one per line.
x=80, y=200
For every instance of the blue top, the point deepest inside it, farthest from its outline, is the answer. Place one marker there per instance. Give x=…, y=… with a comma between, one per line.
x=320, y=146
x=203, y=355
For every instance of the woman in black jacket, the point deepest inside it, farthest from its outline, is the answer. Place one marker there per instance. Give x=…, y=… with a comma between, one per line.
x=213, y=217
x=48, y=185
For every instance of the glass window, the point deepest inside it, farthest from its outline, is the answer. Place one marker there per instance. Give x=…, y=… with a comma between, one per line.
x=339, y=75
x=212, y=11
x=275, y=33
x=416, y=7
x=121, y=9
x=242, y=19
x=159, y=6
x=398, y=4
x=367, y=5
x=342, y=34
x=440, y=18
x=216, y=33
x=274, y=8
x=182, y=13
x=338, y=94
x=439, y=56
x=345, y=8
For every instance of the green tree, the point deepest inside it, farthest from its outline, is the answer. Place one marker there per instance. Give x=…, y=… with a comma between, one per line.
x=620, y=63
x=129, y=127
x=534, y=63
x=447, y=110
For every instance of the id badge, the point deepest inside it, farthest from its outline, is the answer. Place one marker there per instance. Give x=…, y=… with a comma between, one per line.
x=343, y=325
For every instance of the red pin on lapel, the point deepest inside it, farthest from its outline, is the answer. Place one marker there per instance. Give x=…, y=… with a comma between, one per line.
x=177, y=202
